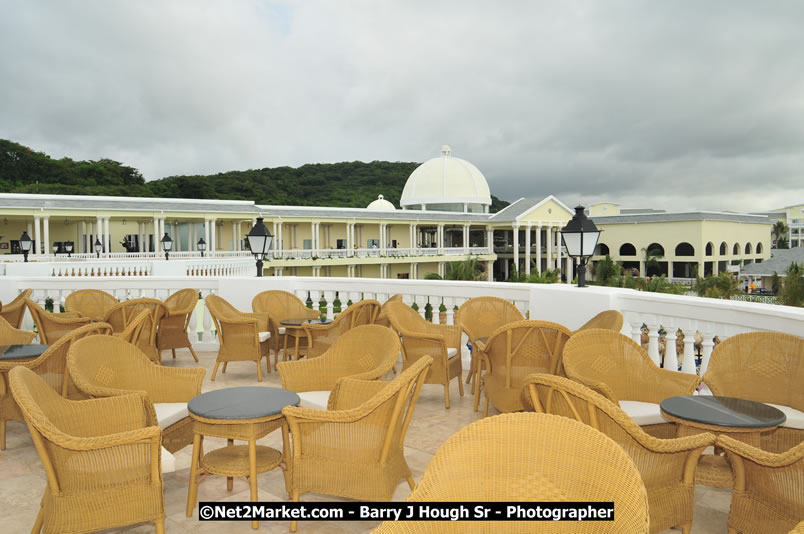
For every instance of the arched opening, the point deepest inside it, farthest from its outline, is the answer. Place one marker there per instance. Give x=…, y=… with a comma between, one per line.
x=748, y=248
x=723, y=249
x=736, y=249
x=655, y=249
x=685, y=249
x=627, y=249
x=602, y=250
x=759, y=248
x=709, y=248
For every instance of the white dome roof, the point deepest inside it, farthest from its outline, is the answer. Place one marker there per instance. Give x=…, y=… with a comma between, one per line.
x=446, y=180
x=380, y=205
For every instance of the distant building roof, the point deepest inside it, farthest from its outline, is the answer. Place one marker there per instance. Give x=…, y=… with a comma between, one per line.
x=676, y=217
x=446, y=180
x=86, y=202
x=780, y=260
x=637, y=211
x=380, y=205
x=365, y=213
x=521, y=206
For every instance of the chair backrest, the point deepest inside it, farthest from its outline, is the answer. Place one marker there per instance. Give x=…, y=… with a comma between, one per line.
x=140, y=331
x=366, y=352
x=49, y=330
x=14, y=311
x=481, y=316
x=219, y=307
x=109, y=363
x=123, y=313
x=608, y=357
x=759, y=366
x=360, y=313
x=524, y=347
x=182, y=301
x=92, y=303
x=280, y=304
x=403, y=317
x=607, y=320
x=382, y=318
x=531, y=457
x=13, y=336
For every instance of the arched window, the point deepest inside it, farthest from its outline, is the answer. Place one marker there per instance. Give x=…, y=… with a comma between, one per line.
x=748, y=248
x=627, y=249
x=685, y=249
x=655, y=249
x=736, y=249
x=602, y=250
x=759, y=248
x=709, y=248
x=723, y=249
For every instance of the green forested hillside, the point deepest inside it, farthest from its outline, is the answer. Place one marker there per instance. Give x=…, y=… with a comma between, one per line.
x=347, y=184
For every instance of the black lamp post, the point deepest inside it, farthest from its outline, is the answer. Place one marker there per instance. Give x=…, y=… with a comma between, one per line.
x=202, y=246
x=580, y=239
x=68, y=246
x=25, y=244
x=259, y=241
x=98, y=246
x=167, y=244
x=55, y=248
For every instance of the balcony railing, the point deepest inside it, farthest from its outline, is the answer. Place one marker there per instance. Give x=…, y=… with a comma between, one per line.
x=561, y=303
x=97, y=268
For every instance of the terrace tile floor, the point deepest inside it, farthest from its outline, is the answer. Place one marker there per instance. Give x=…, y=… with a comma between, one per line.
x=22, y=479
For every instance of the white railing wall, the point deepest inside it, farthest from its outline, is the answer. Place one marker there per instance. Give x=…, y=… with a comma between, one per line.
x=560, y=303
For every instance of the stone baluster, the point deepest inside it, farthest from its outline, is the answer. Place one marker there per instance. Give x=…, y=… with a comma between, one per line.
x=670, y=353
x=653, y=343
x=330, y=296
x=688, y=363
x=450, y=304
x=207, y=334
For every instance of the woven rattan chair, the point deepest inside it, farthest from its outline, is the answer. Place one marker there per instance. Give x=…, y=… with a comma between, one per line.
x=366, y=352
x=607, y=320
x=479, y=317
x=618, y=368
x=513, y=352
x=382, y=318
x=12, y=336
x=14, y=311
x=98, y=374
x=101, y=458
x=139, y=333
x=52, y=366
x=121, y=315
x=667, y=466
x=92, y=303
x=355, y=449
x=242, y=336
x=321, y=337
x=421, y=338
x=764, y=367
x=530, y=457
x=173, y=327
x=53, y=326
x=768, y=494
x=281, y=305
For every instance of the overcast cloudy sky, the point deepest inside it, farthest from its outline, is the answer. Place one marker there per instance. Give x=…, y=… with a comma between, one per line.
x=676, y=105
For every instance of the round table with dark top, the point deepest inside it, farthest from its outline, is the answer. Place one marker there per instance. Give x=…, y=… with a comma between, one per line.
x=295, y=329
x=22, y=352
x=240, y=413
x=740, y=418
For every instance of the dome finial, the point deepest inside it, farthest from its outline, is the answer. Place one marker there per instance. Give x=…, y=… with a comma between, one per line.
x=446, y=150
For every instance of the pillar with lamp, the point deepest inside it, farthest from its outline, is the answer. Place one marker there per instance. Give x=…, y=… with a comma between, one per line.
x=202, y=246
x=68, y=248
x=167, y=245
x=98, y=246
x=259, y=241
x=25, y=245
x=580, y=239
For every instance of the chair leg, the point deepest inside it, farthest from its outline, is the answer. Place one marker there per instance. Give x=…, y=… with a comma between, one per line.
x=686, y=529
x=40, y=520
x=160, y=525
x=486, y=407
x=411, y=483
x=446, y=394
x=195, y=356
x=192, y=492
x=460, y=386
x=259, y=370
x=174, y=353
x=229, y=480
x=224, y=366
x=2, y=434
x=215, y=370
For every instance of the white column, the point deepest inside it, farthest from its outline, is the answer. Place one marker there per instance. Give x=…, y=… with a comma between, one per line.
x=107, y=236
x=77, y=246
x=516, y=247
x=87, y=248
x=155, y=245
x=37, y=237
x=527, y=249
x=440, y=238
x=490, y=239
x=549, y=237
x=558, y=252
x=490, y=270
x=213, y=234
x=234, y=236
x=466, y=239
x=670, y=274
x=46, y=228
x=569, y=270
x=539, y=248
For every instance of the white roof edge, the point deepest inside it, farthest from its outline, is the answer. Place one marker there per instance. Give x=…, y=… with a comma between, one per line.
x=604, y=202
x=703, y=212
x=34, y=196
x=542, y=202
x=366, y=210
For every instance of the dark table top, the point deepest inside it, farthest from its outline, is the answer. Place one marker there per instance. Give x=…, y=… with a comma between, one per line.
x=300, y=321
x=21, y=352
x=723, y=411
x=242, y=402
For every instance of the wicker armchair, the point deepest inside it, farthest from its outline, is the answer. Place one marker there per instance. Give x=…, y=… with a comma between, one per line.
x=480, y=317
x=355, y=449
x=51, y=366
x=122, y=314
x=365, y=352
x=242, y=336
x=382, y=318
x=524, y=457
x=618, y=368
x=173, y=328
x=607, y=320
x=764, y=367
x=12, y=336
x=92, y=303
x=281, y=305
x=101, y=458
x=667, y=466
x=139, y=333
x=421, y=338
x=14, y=311
x=321, y=337
x=53, y=326
x=513, y=352
x=768, y=488
x=169, y=388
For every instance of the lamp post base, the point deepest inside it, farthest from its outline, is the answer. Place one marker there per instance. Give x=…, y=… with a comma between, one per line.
x=582, y=274
x=259, y=268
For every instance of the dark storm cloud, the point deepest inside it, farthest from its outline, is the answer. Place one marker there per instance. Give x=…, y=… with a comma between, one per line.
x=675, y=105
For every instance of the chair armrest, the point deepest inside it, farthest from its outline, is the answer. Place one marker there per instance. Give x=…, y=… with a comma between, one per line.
x=764, y=458
x=151, y=434
x=669, y=383
x=350, y=392
x=305, y=375
x=597, y=386
x=173, y=384
x=103, y=416
x=67, y=318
